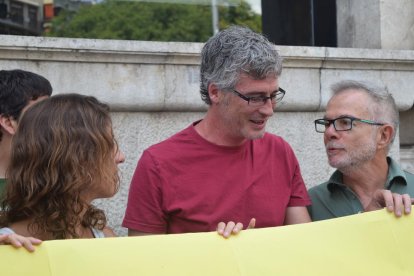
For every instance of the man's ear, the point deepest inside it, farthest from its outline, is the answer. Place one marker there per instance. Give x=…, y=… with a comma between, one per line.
x=213, y=93
x=385, y=135
x=8, y=124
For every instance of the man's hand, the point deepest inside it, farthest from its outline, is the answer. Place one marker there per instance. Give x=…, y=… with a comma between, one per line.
x=392, y=201
x=19, y=241
x=226, y=230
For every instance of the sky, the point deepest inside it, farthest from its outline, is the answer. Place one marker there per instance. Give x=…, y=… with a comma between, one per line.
x=256, y=5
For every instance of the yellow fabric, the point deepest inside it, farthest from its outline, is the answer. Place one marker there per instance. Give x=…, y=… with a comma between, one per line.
x=374, y=243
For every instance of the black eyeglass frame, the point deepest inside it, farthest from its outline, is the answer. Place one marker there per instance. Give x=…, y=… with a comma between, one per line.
x=327, y=123
x=277, y=97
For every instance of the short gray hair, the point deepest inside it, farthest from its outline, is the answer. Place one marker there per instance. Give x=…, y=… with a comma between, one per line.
x=383, y=108
x=233, y=51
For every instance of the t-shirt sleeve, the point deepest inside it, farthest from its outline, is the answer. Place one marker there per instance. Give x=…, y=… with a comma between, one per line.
x=6, y=231
x=299, y=194
x=144, y=210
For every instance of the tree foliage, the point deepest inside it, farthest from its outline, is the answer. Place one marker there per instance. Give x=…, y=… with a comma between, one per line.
x=149, y=21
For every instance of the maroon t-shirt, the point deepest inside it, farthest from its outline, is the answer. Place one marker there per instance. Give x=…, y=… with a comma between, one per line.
x=187, y=184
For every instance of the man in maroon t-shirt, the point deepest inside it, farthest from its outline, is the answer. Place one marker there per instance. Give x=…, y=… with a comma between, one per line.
x=225, y=167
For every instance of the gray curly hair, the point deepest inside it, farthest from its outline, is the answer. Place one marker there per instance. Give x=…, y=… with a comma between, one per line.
x=233, y=51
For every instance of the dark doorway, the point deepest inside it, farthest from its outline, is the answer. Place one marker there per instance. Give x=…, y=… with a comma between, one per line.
x=300, y=22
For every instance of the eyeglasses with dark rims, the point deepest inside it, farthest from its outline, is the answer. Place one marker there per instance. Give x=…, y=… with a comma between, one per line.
x=343, y=123
x=276, y=97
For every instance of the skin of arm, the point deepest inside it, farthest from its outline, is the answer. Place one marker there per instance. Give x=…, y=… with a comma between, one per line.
x=295, y=215
x=133, y=233
x=108, y=232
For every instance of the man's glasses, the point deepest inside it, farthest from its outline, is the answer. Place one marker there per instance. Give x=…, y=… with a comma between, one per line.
x=341, y=124
x=261, y=100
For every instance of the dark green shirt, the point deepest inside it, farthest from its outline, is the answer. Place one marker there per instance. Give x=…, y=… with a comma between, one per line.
x=334, y=199
x=2, y=185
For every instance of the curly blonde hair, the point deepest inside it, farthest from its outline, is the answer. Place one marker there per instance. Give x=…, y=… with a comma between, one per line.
x=62, y=154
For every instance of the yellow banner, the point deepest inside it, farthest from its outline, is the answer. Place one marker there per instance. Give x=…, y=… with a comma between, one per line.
x=374, y=243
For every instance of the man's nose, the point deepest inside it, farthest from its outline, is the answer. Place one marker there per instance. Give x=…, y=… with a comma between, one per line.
x=120, y=157
x=267, y=108
x=330, y=131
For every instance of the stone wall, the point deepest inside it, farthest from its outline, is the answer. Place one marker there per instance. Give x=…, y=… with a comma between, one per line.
x=378, y=24
x=152, y=88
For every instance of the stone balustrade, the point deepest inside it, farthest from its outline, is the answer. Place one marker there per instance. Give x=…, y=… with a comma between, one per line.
x=152, y=88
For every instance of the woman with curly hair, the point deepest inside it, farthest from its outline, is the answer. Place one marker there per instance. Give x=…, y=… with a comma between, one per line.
x=64, y=155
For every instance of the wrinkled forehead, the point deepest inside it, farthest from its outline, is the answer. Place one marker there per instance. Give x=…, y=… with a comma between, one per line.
x=349, y=102
x=248, y=83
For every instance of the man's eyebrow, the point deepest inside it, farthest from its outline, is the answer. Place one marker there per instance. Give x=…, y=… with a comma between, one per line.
x=261, y=92
x=340, y=116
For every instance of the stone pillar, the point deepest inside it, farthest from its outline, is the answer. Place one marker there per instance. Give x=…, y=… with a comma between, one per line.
x=381, y=24
x=378, y=24
x=407, y=140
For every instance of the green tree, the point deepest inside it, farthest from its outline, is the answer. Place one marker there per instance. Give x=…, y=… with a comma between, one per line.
x=241, y=14
x=149, y=21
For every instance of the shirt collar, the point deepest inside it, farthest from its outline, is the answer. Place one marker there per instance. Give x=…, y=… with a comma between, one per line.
x=394, y=172
x=335, y=181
